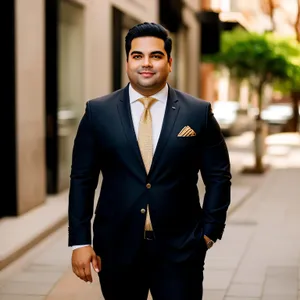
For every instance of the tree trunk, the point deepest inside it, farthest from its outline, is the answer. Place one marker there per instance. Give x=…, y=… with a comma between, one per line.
x=259, y=134
x=295, y=95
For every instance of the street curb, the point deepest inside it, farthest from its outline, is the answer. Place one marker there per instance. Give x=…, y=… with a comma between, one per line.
x=32, y=242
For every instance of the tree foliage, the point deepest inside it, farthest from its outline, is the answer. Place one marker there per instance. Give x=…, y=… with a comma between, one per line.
x=261, y=58
x=290, y=48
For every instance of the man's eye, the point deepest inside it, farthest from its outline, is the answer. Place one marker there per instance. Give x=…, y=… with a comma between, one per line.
x=156, y=56
x=137, y=56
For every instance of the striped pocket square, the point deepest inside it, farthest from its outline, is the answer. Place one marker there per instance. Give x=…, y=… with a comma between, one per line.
x=186, y=131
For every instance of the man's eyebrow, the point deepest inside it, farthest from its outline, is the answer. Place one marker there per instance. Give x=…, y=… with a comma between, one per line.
x=135, y=52
x=154, y=52
x=158, y=52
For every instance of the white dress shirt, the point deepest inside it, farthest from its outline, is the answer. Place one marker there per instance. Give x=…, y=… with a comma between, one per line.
x=157, y=113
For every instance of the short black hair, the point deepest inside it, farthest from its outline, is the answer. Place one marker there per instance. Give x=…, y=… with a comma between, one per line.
x=148, y=29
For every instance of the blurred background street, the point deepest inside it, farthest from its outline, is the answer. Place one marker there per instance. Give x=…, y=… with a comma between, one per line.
x=241, y=56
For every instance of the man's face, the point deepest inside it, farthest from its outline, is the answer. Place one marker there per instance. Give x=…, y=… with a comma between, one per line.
x=148, y=66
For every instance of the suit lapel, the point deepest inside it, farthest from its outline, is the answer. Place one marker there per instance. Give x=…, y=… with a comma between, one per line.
x=171, y=113
x=126, y=120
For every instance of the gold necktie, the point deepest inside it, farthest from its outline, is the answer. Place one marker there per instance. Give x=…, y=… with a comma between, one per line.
x=146, y=143
x=145, y=132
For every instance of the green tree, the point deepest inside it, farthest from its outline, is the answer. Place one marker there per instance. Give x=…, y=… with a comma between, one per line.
x=257, y=58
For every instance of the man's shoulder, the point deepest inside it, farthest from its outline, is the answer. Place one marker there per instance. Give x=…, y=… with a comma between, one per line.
x=191, y=100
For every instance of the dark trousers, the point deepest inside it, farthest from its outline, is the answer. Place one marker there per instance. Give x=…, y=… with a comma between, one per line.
x=166, y=280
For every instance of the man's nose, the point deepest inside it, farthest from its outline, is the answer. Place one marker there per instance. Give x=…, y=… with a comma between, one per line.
x=147, y=61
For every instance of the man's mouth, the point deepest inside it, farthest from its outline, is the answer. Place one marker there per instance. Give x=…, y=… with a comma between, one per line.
x=146, y=74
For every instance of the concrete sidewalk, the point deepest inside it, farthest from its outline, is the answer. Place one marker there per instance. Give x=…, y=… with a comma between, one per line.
x=19, y=234
x=259, y=257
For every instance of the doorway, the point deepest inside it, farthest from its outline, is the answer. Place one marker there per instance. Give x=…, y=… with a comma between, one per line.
x=64, y=87
x=70, y=84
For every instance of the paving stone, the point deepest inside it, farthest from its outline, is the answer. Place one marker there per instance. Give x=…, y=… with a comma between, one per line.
x=245, y=290
x=252, y=275
x=279, y=297
x=274, y=286
x=283, y=272
x=46, y=268
x=281, y=281
x=26, y=288
x=38, y=277
x=240, y=298
x=213, y=294
x=222, y=263
x=22, y=297
x=217, y=279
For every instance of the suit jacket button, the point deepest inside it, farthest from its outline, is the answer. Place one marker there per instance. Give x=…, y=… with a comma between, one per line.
x=143, y=210
x=148, y=186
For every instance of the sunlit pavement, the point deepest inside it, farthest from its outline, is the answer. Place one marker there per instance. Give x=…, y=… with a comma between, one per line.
x=282, y=150
x=258, y=257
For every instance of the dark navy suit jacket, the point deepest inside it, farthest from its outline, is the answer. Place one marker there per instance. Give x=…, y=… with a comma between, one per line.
x=106, y=142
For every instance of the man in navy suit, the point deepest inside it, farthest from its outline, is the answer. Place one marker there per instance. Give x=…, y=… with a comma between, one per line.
x=149, y=141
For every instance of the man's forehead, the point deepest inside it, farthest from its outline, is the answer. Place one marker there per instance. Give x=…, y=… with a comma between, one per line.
x=147, y=44
x=148, y=40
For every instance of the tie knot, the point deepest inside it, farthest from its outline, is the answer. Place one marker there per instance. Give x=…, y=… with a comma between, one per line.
x=147, y=101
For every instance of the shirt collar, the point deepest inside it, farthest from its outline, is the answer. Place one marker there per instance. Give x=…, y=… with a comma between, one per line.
x=161, y=96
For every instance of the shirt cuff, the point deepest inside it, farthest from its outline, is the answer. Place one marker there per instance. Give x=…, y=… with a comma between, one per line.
x=79, y=246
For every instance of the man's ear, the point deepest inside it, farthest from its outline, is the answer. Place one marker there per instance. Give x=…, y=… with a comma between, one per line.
x=170, y=64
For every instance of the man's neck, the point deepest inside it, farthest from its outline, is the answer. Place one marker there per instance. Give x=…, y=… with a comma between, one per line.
x=149, y=93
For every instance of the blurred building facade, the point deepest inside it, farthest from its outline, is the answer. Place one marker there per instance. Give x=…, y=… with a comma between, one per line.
x=59, y=54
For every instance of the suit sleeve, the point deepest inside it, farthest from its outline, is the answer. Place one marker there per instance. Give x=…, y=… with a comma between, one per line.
x=84, y=176
x=215, y=171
